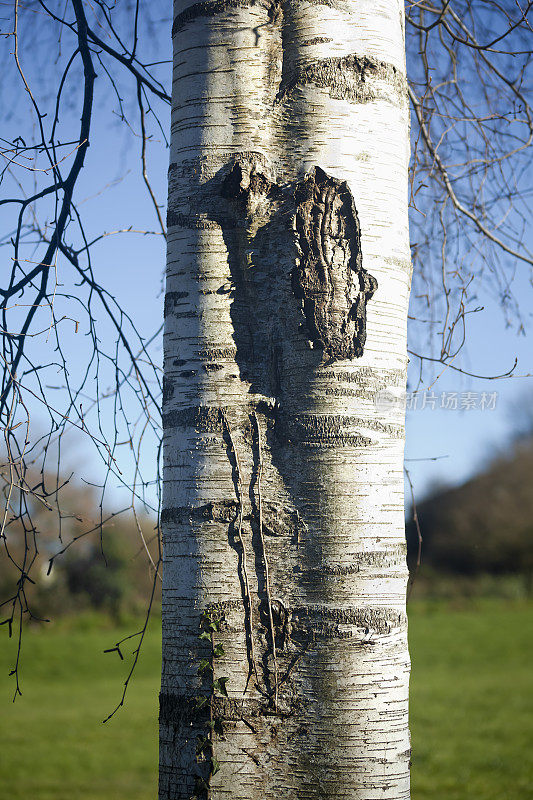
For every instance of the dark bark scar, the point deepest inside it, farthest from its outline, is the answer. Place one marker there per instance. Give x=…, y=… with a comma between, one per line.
x=329, y=278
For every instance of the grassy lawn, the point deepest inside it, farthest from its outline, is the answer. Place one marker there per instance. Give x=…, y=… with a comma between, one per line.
x=472, y=702
x=472, y=710
x=54, y=746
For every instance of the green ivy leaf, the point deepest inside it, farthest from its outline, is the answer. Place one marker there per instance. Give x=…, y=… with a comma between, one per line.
x=204, y=743
x=215, y=766
x=220, y=686
x=204, y=666
x=218, y=650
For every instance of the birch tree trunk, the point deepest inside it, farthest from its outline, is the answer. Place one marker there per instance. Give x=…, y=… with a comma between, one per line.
x=285, y=663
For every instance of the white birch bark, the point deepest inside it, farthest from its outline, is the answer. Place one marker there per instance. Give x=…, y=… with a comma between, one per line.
x=286, y=309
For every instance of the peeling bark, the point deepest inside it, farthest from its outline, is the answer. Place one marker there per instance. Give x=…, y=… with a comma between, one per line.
x=330, y=279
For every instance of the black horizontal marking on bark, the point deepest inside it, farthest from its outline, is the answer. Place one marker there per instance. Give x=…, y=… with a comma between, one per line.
x=317, y=40
x=317, y=631
x=380, y=620
x=217, y=353
x=178, y=709
x=212, y=367
x=333, y=439
x=325, y=424
x=219, y=511
x=224, y=605
x=367, y=377
x=323, y=430
x=168, y=389
x=190, y=221
x=339, y=5
x=378, y=558
x=356, y=440
x=353, y=78
x=172, y=299
x=342, y=391
x=204, y=418
x=211, y=9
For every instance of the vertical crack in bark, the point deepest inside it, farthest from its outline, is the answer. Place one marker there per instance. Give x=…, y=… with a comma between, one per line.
x=264, y=553
x=329, y=279
x=237, y=479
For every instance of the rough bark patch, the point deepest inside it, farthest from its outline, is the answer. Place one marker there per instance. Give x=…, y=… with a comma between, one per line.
x=395, y=557
x=317, y=40
x=279, y=521
x=323, y=430
x=369, y=378
x=377, y=619
x=358, y=79
x=250, y=189
x=329, y=278
x=205, y=419
x=211, y=9
x=339, y=5
x=221, y=511
x=213, y=353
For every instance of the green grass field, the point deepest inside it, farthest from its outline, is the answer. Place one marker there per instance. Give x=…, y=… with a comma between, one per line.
x=472, y=702
x=472, y=710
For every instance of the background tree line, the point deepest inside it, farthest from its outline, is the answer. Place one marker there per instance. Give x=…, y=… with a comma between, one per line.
x=482, y=528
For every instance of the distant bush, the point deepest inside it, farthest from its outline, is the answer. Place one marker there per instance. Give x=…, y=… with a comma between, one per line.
x=483, y=526
x=100, y=575
x=106, y=570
